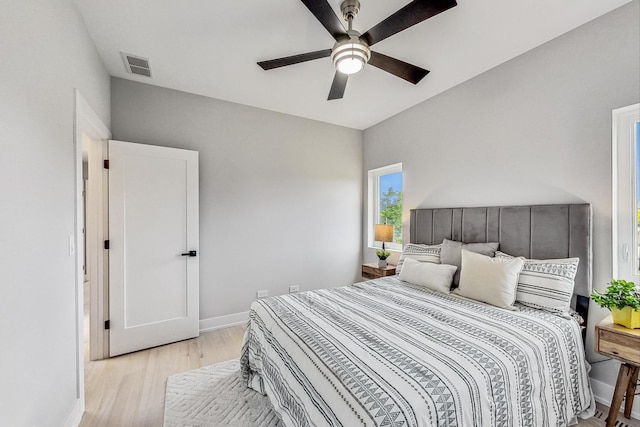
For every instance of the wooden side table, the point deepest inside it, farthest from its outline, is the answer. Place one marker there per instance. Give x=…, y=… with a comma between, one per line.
x=372, y=271
x=623, y=344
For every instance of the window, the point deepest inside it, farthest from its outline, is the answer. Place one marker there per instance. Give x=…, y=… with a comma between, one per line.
x=385, y=203
x=626, y=193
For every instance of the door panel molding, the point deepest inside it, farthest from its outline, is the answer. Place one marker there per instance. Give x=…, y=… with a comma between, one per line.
x=153, y=220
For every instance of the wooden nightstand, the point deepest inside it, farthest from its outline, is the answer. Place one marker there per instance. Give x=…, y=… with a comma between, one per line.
x=622, y=344
x=372, y=271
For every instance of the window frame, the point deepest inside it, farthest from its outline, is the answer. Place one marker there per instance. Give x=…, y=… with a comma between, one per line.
x=374, y=204
x=625, y=262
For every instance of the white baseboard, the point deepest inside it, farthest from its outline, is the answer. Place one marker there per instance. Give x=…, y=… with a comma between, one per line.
x=220, y=322
x=75, y=415
x=603, y=393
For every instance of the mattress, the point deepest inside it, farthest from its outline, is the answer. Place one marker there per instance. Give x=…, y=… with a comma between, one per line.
x=387, y=353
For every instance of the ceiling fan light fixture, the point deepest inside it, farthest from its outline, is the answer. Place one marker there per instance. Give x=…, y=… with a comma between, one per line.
x=350, y=56
x=351, y=51
x=350, y=65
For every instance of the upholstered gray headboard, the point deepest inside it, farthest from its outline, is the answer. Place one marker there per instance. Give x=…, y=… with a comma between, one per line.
x=539, y=232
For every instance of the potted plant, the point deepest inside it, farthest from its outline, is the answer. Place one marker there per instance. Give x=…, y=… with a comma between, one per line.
x=623, y=299
x=382, y=256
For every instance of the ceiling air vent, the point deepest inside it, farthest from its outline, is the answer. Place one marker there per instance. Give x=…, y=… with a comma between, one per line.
x=136, y=64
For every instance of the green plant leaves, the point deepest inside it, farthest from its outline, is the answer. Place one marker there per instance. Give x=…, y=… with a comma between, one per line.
x=619, y=294
x=383, y=254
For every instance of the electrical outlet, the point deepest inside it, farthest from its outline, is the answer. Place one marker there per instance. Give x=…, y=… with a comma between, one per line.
x=294, y=288
x=262, y=294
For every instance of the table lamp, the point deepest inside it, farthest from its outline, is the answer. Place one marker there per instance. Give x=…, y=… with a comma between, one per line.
x=383, y=233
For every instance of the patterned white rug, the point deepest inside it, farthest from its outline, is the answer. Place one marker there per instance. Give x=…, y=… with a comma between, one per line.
x=215, y=396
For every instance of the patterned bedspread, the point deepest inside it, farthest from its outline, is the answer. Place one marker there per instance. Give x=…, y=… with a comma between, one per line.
x=386, y=353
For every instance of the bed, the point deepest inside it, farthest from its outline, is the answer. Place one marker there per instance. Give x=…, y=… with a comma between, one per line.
x=389, y=353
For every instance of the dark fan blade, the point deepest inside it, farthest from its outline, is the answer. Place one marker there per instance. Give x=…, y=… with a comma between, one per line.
x=295, y=59
x=338, y=86
x=410, y=73
x=412, y=14
x=323, y=13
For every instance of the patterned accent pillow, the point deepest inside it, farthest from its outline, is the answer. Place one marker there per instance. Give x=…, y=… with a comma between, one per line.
x=423, y=253
x=546, y=284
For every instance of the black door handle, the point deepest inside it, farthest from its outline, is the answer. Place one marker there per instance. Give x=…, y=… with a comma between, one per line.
x=190, y=253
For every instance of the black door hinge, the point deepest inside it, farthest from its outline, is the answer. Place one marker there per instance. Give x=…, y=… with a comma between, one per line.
x=107, y=324
x=105, y=163
x=106, y=244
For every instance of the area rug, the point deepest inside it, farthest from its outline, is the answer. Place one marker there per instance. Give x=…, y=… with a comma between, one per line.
x=215, y=396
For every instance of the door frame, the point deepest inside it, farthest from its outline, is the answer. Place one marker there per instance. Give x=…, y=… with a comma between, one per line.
x=86, y=122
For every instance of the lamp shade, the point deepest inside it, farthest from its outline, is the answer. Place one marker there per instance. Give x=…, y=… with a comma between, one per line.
x=383, y=233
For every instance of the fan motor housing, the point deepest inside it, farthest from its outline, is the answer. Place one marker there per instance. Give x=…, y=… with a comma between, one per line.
x=350, y=9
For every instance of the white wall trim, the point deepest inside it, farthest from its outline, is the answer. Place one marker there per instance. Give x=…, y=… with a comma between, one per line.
x=75, y=416
x=603, y=393
x=623, y=189
x=84, y=109
x=213, y=323
x=373, y=204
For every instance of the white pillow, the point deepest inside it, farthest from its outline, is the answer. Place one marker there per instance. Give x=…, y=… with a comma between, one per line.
x=437, y=277
x=424, y=253
x=546, y=284
x=490, y=280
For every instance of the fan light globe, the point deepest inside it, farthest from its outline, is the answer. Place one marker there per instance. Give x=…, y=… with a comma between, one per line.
x=350, y=56
x=350, y=65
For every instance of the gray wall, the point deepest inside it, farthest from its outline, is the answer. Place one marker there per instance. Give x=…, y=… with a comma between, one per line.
x=280, y=196
x=45, y=53
x=536, y=129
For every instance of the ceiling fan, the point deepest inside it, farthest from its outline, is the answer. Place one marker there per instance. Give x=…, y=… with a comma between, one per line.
x=351, y=51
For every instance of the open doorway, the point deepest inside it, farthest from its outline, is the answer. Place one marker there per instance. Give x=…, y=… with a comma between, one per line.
x=96, y=288
x=89, y=131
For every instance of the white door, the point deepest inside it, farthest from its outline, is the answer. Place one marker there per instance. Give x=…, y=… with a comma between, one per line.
x=153, y=226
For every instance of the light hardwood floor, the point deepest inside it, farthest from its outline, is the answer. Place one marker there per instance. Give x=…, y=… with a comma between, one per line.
x=129, y=390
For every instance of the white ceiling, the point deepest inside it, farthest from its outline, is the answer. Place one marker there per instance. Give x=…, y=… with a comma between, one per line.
x=210, y=48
